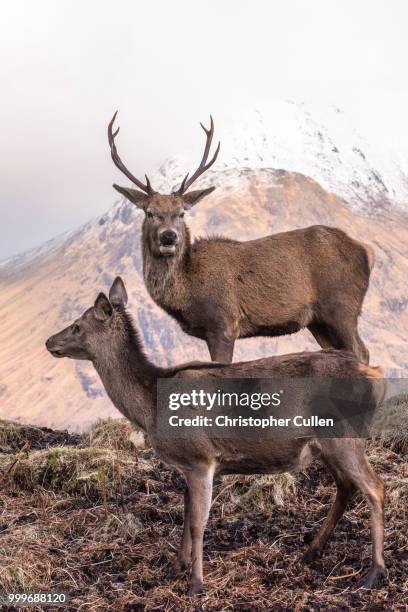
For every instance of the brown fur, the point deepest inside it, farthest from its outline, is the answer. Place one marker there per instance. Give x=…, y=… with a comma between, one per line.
x=220, y=290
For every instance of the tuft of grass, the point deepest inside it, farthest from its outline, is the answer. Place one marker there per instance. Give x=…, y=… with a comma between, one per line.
x=115, y=434
x=88, y=472
x=254, y=493
x=125, y=525
x=12, y=434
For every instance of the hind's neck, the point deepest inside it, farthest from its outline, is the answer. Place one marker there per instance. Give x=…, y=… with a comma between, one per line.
x=129, y=380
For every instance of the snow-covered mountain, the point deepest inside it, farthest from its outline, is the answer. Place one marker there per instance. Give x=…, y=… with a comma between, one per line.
x=317, y=141
x=277, y=172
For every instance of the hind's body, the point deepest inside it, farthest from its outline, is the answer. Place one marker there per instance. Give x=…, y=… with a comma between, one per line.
x=105, y=335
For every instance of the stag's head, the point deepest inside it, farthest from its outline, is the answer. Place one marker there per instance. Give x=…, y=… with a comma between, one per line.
x=164, y=227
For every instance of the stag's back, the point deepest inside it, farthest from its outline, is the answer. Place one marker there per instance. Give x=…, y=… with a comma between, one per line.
x=281, y=278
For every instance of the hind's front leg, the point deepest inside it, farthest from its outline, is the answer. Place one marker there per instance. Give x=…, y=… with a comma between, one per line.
x=200, y=484
x=183, y=559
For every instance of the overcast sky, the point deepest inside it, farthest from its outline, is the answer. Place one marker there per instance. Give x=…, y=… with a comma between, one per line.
x=67, y=65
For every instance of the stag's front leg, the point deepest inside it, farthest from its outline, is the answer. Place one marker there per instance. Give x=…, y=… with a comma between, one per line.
x=200, y=485
x=221, y=346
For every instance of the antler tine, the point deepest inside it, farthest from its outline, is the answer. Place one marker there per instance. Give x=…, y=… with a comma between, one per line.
x=118, y=162
x=203, y=167
x=182, y=186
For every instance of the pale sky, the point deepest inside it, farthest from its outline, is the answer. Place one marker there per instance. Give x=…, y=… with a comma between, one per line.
x=67, y=65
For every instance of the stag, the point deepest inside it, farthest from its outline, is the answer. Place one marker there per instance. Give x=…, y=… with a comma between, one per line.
x=105, y=335
x=220, y=290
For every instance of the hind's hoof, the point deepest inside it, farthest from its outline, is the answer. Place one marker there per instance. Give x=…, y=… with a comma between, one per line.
x=312, y=554
x=376, y=578
x=177, y=567
x=196, y=588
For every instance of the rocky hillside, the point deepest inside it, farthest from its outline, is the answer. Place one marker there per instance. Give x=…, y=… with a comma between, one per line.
x=44, y=290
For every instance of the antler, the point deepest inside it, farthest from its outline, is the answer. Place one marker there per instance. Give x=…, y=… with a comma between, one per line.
x=118, y=162
x=203, y=167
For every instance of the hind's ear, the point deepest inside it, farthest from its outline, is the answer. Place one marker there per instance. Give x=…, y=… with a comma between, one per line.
x=191, y=198
x=103, y=307
x=138, y=198
x=117, y=293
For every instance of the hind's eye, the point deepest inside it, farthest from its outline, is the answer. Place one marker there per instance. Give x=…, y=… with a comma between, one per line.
x=149, y=215
x=181, y=215
x=75, y=329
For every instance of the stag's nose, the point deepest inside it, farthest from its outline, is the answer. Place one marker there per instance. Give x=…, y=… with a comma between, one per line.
x=168, y=238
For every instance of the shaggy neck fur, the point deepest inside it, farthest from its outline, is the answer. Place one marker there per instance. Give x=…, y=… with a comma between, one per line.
x=126, y=373
x=165, y=277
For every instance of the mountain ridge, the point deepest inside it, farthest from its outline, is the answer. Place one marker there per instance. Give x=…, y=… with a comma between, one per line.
x=45, y=289
x=55, y=287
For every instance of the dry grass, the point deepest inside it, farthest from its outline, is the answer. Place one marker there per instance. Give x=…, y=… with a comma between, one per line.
x=103, y=524
x=112, y=433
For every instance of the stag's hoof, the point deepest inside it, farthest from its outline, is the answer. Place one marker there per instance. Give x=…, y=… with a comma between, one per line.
x=312, y=554
x=196, y=588
x=376, y=577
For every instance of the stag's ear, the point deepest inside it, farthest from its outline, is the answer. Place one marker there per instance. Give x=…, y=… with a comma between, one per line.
x=192, y=197
x=103, y=308
x=117, y=293
x=138, y=198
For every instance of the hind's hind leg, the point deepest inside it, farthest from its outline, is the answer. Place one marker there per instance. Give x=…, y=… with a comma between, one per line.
x=347, y=459
x=372, y=487
x=345, y=491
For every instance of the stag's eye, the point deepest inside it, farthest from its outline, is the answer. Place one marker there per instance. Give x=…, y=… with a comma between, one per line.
x=181, y=215
x=75, y=329
x=149, y=215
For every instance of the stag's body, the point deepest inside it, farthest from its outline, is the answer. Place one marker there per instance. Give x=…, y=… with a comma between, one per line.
x=220, y=290
x=105, y=335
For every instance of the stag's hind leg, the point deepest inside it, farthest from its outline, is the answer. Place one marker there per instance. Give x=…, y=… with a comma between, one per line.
x=341, y=333
x=320, y=334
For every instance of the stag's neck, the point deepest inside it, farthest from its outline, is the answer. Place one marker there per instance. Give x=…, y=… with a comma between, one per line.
x=130, y=382
x=166, y=277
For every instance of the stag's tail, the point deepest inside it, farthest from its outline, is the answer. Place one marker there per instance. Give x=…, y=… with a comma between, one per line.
x=370, y=255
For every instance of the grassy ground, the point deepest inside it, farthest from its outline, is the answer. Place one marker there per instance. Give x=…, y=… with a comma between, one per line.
x=93, y=517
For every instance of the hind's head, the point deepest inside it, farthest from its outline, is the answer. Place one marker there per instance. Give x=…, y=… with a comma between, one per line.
x=96, y=330
x=164, y=229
